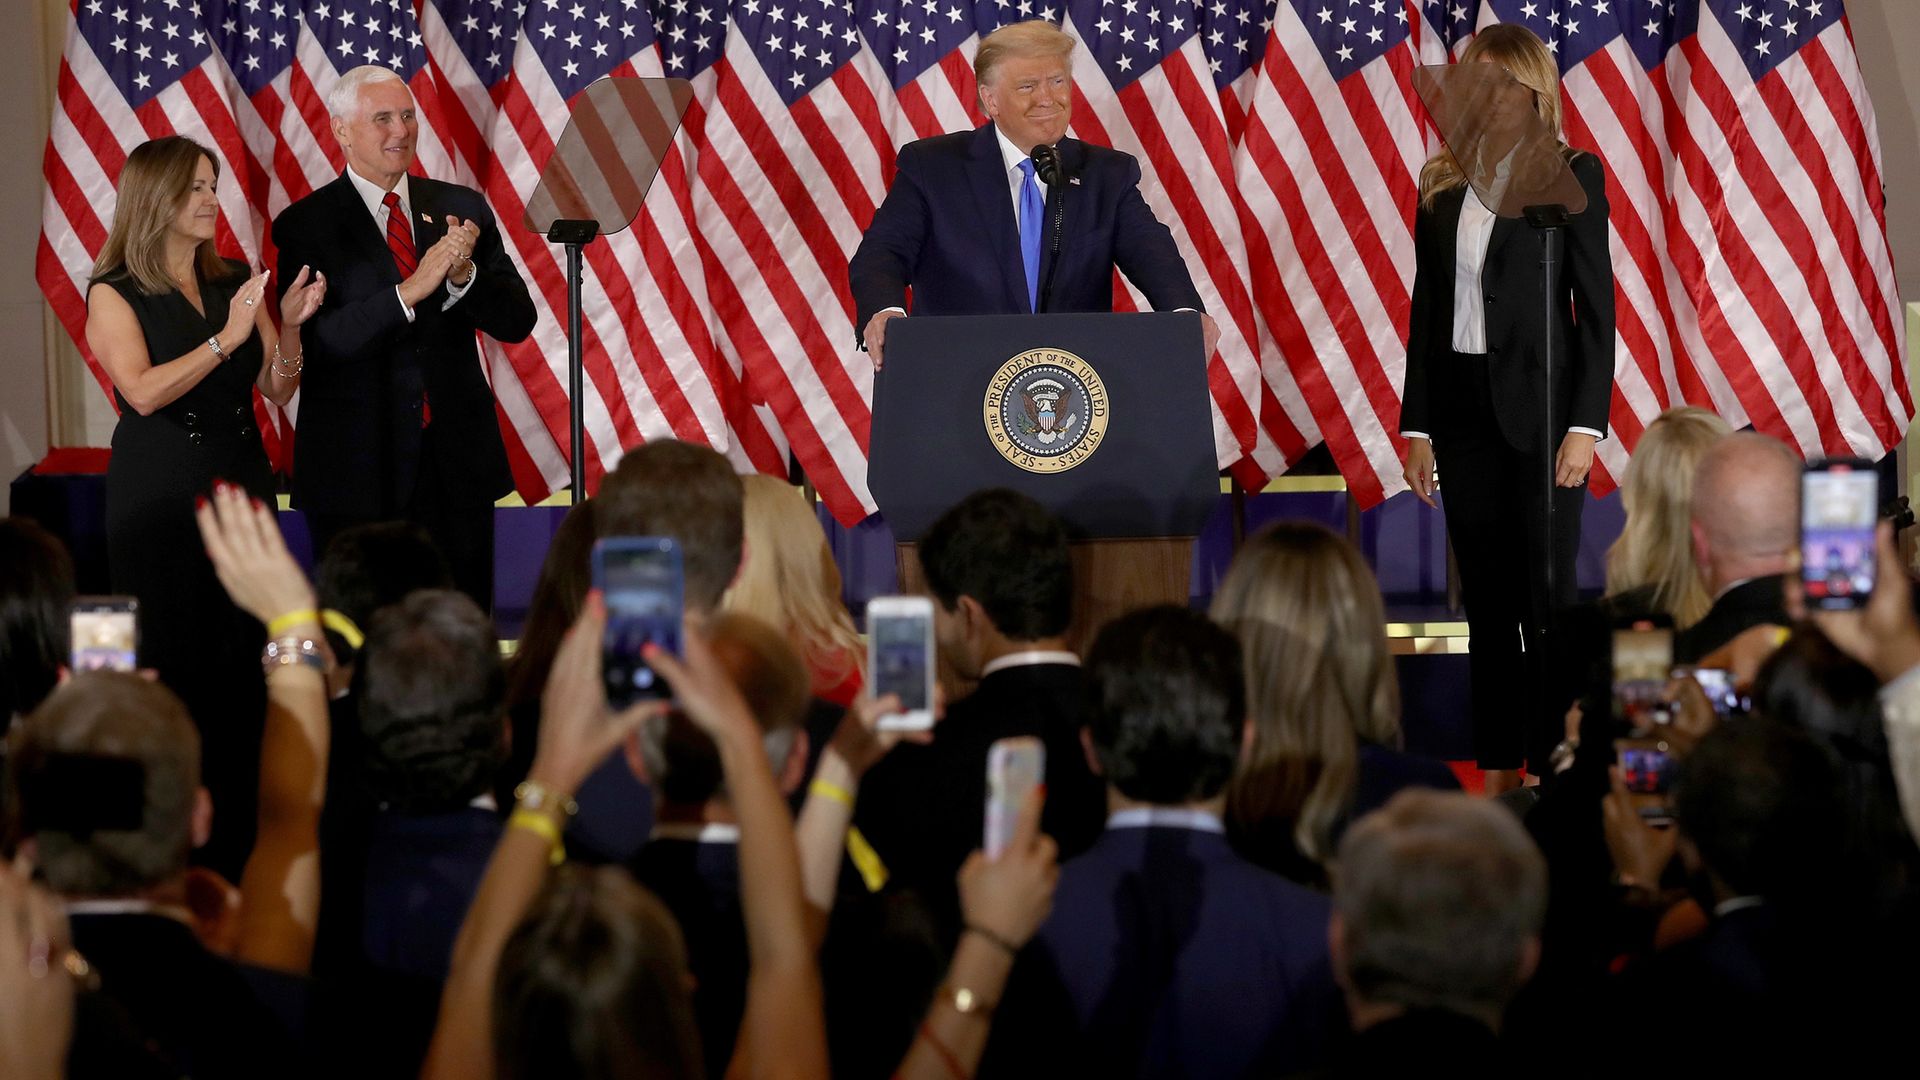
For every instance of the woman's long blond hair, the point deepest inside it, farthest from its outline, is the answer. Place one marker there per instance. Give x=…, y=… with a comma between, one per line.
x=1656, y=546
x=788, y=579
x=153, y=186
x=1320, y=680
x=1515, y=48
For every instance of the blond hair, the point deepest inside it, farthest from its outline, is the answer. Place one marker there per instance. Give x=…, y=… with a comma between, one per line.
x=1035, y=37
x=1515, y=48
x=1320, y=680
x=1656, y=546
x=154, y=185
x=788, y=579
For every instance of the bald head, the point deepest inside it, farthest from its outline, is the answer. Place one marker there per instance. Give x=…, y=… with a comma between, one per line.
x=1746, y=509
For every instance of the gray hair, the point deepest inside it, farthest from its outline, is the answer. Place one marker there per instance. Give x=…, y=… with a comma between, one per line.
x=1440, y=895
x=344, y=98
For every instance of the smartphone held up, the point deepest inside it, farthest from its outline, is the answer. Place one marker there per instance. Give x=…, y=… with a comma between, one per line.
x=643, y=584
x=103, y=634
x=900, y=658
x=1839, y=501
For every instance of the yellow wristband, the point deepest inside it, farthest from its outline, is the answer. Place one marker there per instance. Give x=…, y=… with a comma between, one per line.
x=543, y=826
x=280, y=624
x=827, y=789
x=345, y=627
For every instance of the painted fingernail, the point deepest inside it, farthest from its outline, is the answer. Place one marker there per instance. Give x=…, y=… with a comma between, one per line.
x=199, y=502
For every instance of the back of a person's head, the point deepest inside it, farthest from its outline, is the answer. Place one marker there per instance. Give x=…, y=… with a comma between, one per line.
x=1440, y=898
x=106, y=728
x=594, y=985
x=1010, y=555
x=36, y=595
x=431, y=703
x=1655, y=545
x=1746, y=497
x=686, y=492
x=1166, y=705
x=1758, y=800
x=682, y=761
x=367, y=567
x=1311, y=625
x=790, y=580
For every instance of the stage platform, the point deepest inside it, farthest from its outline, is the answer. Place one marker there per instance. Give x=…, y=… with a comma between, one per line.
x=1402, y=539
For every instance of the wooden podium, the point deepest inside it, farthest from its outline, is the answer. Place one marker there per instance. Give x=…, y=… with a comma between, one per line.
x=1103, y=418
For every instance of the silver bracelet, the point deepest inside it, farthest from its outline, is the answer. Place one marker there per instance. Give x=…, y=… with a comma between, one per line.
x=292, y=649
x=214, y=344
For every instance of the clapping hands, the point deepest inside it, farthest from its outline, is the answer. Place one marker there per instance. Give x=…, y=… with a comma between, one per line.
x=302, y=298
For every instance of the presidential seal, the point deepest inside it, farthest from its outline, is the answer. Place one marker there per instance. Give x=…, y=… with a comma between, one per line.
x=1046, y=410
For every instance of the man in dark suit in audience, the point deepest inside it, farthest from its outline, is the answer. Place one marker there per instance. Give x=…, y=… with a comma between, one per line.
x=431, y=733
x=397, y=419
x=692, y=860
x=1167, y=954
x=1437, y=908
x=1746, y=534
x=1002, y=584
x=1796, y=960
x=690, y=494
x=105, y=783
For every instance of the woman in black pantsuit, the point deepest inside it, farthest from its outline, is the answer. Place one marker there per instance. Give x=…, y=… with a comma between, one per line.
x=186, y=338
x=1474, y=397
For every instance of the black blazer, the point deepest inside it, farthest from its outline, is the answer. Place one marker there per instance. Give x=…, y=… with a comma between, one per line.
x=1760, y=602
x=358, y=444
x=947, y=229
x=1510, y=284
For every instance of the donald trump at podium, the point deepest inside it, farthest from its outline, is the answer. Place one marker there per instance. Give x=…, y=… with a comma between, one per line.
x=975, y=226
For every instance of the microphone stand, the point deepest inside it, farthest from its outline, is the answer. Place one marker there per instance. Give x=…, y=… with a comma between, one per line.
x=575, y=234
x=1549, y=219
x=1046, y=165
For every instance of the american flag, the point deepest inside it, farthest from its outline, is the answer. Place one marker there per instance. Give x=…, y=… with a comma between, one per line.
x=1280, y=139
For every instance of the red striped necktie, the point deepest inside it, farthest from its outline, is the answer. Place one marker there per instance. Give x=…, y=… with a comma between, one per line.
x=400, y=242
x=400, y=236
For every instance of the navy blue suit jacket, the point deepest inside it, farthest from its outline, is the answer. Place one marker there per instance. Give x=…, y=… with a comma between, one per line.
x=1168, y=955
x=359, y=442
x=947, y=229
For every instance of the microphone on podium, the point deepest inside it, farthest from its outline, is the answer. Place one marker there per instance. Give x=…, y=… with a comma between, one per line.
x=1046, y=166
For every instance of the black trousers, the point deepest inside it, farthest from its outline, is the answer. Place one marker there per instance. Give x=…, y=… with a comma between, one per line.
x=463, y=533
x=1494, y=497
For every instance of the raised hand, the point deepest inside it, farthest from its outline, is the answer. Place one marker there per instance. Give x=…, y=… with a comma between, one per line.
x=249, y=556
x=1009, y=897
x=577, y=728
x=303, y=298
x=241, y=310
x=36, y=989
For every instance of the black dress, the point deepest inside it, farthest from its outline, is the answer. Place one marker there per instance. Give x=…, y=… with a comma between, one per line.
x=205, y=649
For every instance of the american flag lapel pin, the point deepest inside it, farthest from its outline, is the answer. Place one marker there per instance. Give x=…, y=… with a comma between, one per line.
x=426, y=218
x=1073, y=181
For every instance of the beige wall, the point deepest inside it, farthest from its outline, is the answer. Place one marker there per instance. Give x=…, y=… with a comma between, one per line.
x=72, y=412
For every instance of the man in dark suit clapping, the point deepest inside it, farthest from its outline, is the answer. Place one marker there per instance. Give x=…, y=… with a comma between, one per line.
x=396, y=416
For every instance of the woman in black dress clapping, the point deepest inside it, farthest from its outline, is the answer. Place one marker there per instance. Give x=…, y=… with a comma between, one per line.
x=186, y=338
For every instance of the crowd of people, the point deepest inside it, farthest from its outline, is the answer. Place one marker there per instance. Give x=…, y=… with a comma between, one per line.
x=460, y=866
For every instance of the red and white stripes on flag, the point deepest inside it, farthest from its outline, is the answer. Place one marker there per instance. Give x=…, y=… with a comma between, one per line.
x=1279, y=139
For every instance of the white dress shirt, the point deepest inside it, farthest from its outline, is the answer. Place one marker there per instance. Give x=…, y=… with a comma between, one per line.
x=1471, y=238
x=376, y=201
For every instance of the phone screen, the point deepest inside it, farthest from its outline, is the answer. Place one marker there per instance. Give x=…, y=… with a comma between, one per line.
x=104, y=635
x=900, y=658
x=1646, y=770
x=1837, y=518
x=1015, y=766
x=640, y=578
x=1642, y=662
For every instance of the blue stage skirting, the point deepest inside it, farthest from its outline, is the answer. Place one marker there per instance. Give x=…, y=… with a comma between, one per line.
x=1402, y=539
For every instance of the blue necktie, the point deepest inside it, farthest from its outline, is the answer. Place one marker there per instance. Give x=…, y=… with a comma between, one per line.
x=1031, y=210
